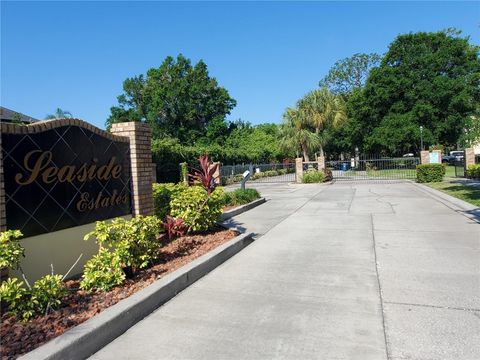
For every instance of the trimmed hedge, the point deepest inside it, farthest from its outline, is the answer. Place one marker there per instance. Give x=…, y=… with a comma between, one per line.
x=427, y=173
x=312, y=176
x=473, y=171
x=240, y=197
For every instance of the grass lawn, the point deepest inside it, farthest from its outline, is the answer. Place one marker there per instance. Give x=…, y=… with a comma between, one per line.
x=470, y=194
x=449, y=171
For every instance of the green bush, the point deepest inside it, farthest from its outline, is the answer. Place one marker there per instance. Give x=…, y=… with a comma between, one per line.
x=10, y=249
x=45, y=294
x=135, y=240
x=427, y=173
x=103, y=272
x=162, y=195
x=199, y=211
x=473, y=171
x=240, y=197
x=313, y=176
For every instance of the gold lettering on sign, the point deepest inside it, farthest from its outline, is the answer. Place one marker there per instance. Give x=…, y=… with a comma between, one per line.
x=88, y=203
x=40, y=166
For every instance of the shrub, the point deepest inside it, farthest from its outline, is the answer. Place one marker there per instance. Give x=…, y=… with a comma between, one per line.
x=430, y=173
x=11, y=251
x=313, y=176
x=12, y=293
x=199, y=210
x=473, y=171
x=135, y=240
x=103, y=271
x=174, y=227
x=46, y=294
x=162, y=195
x=205, y=174
x=240, y=197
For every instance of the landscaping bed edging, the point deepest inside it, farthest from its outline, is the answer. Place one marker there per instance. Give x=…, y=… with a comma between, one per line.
x=241, y=209
x=458, y=205
x=87, y=338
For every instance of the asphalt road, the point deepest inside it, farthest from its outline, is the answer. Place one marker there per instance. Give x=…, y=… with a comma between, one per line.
x=345, y=271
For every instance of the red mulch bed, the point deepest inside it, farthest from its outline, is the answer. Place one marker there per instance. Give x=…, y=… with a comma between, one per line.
x=17, y=338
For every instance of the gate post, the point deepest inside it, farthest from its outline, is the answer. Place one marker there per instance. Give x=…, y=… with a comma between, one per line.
x=298, y=170
x=216, y=174
x=424, y=157
x=469, y=159
x=321, y=163
x=141, y=163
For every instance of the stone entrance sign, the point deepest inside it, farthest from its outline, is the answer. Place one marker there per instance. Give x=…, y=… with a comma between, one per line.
x=62, y=174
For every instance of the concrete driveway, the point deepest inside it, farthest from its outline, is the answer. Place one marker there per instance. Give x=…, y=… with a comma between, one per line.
x=342, y=271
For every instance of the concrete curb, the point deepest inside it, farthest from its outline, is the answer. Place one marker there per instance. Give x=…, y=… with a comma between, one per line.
x=241, y=209
x=458, y=205
x=87, y=338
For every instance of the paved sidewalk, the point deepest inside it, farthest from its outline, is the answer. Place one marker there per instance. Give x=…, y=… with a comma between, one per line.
x=343, y=271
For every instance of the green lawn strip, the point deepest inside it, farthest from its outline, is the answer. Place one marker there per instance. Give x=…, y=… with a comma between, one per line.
x=470, y=194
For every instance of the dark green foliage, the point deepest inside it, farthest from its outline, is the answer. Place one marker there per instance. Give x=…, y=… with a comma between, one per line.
x=177, y=99
x=427, y=173
x=240, y=197
x=428, y=79
x=473, y=171
x=313, y=176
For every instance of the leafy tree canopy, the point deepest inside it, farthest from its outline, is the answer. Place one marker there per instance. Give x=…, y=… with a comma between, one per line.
x=177, y=99
x=428, y=79
x=349, y=73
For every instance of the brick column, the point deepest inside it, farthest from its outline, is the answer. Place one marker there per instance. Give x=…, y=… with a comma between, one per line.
x=424, y=157
x=3, y=214
x=321, y=163
x=141, y=163
x=298, y=170
x=469, y=157
x=216, y=175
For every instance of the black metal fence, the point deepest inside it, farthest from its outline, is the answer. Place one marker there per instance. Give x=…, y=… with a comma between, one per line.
x=261, y=173
x=375, y=168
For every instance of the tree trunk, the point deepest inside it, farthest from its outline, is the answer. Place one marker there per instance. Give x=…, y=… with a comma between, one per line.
x=305, y=152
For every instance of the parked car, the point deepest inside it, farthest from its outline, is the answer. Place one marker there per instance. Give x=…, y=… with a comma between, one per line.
x=456, y=155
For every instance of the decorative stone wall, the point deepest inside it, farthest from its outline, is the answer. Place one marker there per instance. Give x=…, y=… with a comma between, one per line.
x=141, y=163
x=298, y=170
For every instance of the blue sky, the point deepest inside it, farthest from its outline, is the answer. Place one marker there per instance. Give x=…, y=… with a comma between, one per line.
x=75, y=55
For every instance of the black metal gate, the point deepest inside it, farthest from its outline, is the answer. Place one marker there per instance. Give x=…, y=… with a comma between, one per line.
x=459, y=167
x=374, y=168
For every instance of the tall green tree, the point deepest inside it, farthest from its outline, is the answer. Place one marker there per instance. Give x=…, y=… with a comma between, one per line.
x=297, y=134
x=322, y=108
x=425, y=79
x=177, y=99
x=349, y=73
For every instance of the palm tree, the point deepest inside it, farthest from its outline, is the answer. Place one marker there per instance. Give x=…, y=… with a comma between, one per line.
x=323, y=108
x=59, y=114
x=295, y=134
